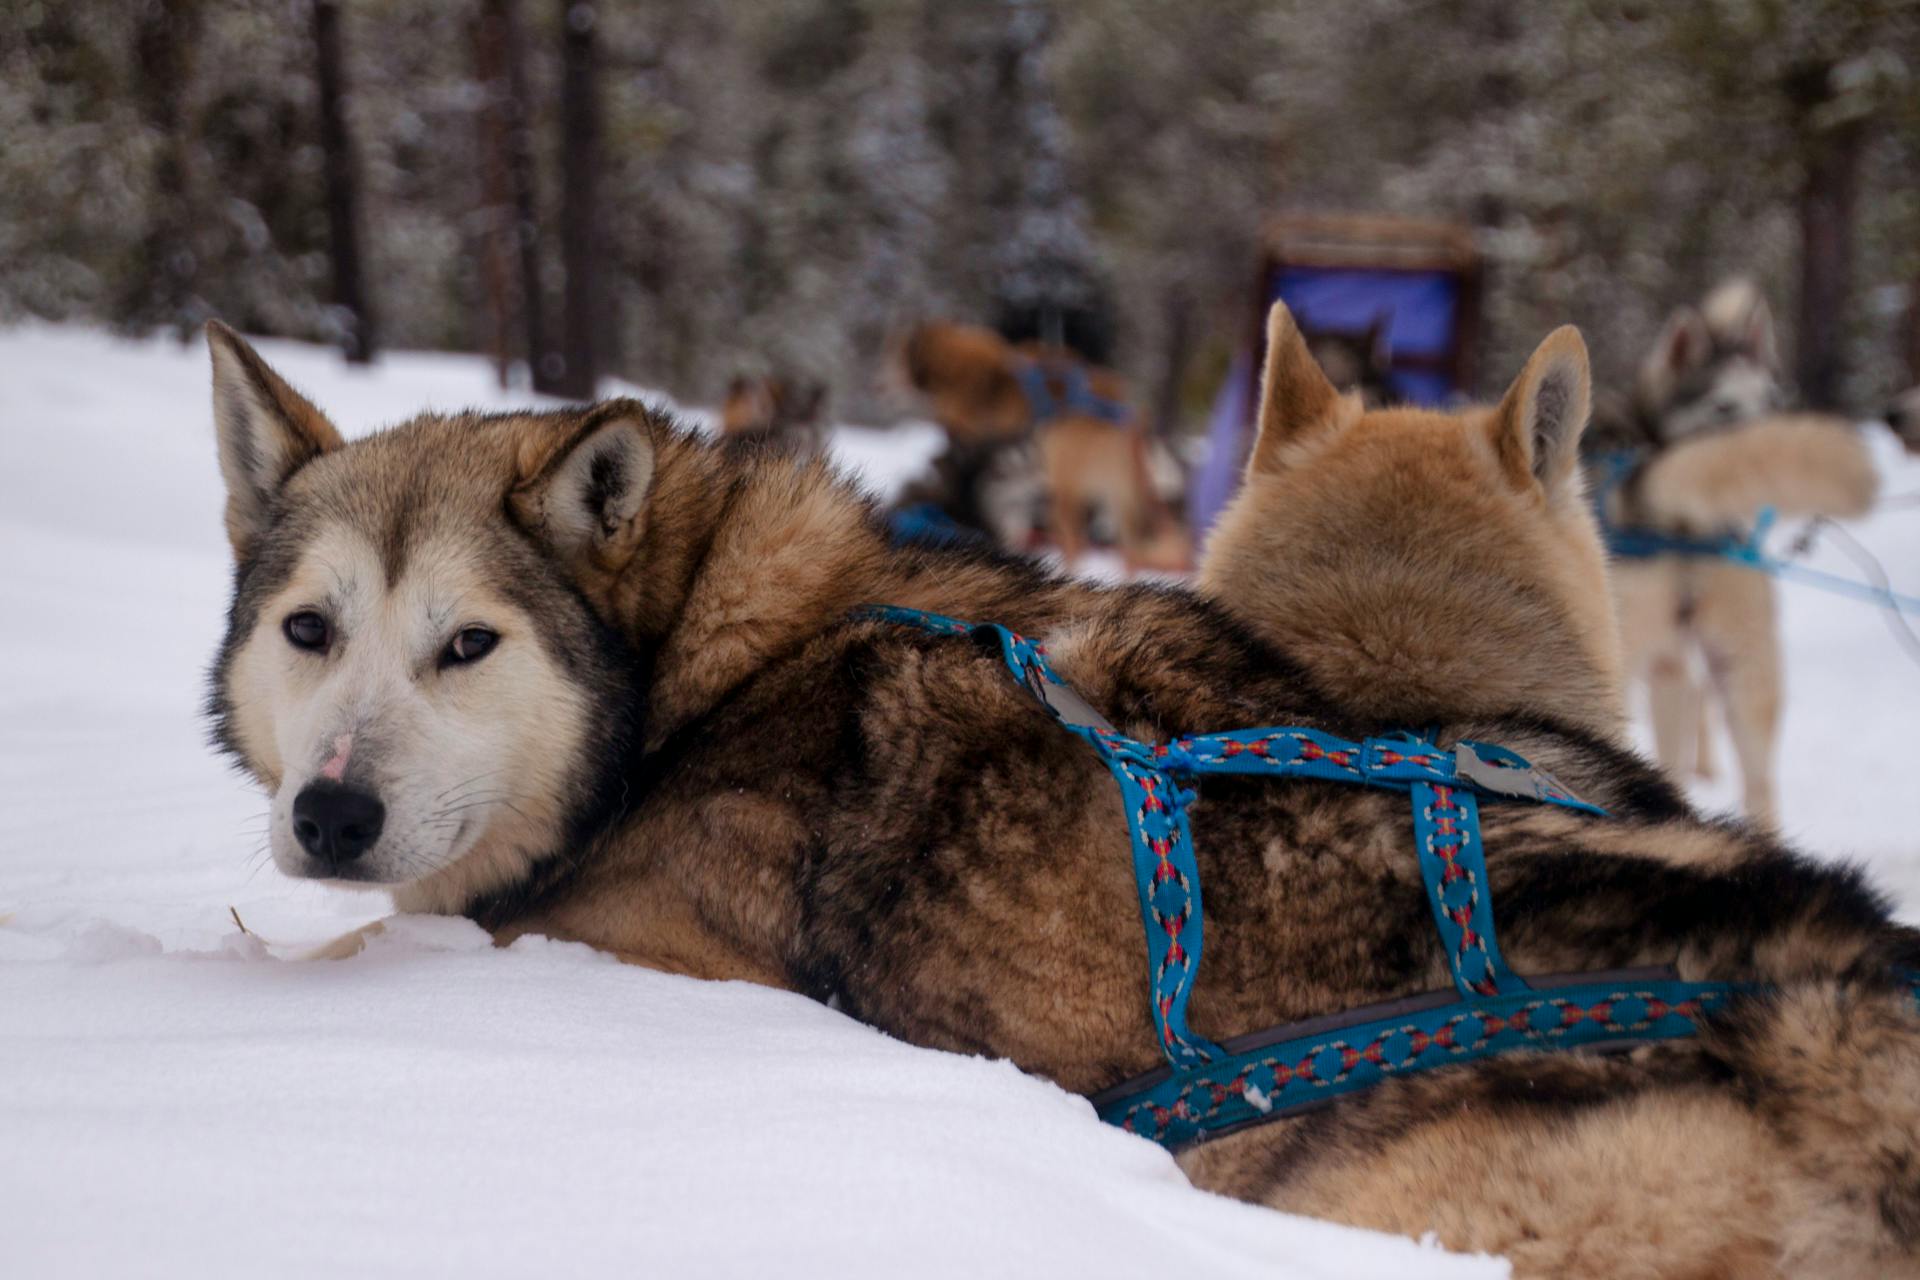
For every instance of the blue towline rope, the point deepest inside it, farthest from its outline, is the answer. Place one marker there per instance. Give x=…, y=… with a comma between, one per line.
x=1207, y=1088
x=1627, y=542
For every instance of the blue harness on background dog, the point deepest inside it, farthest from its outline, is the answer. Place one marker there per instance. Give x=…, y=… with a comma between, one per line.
x=1076, y=391
x=1631, y=542
x=1634, y=542
x=1207, y=1089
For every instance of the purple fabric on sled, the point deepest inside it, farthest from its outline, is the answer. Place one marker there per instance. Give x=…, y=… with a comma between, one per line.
x=1422, y=308
x=1228, y=435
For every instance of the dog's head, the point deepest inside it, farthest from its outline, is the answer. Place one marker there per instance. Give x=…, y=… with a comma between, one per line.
x=418, y=664
x=1361, y=362
x=1425, y=565
x=1714, y=367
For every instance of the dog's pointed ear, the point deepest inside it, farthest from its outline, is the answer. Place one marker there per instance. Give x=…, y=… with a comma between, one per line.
x=1685, y=343
x=583, y=489
x=1295, y=397
x=266, y=432
x=1536, y=429
x=1756, y=335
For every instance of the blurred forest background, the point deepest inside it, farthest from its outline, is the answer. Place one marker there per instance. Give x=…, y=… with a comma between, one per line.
x=674, y=191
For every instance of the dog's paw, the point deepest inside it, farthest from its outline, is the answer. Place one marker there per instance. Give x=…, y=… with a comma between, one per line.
x=347, y=945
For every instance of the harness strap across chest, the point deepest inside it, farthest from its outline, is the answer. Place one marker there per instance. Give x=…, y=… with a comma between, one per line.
x=1207, y=1088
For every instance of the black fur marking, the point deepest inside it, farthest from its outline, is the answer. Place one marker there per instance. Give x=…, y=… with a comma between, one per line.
x=606, y=481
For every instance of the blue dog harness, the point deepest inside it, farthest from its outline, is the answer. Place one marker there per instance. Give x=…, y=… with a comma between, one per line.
x=1207, y=1089
x=1076, y=393
x=1634, y=542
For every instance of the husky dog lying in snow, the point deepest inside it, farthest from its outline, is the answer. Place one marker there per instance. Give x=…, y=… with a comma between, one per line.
x=584, y=674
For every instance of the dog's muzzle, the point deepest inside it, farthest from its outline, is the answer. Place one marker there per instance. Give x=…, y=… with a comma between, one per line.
x=336, y=823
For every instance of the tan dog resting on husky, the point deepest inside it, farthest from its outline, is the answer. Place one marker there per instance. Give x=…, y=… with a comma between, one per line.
x=1721, y=452
x=583, y=673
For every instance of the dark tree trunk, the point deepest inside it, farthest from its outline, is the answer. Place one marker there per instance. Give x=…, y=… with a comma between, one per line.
x=343, y=191
x=1829, y=192
x=161, y=289
x=507, y=148
x=578, y=368
x=1910, y=345
x=492, y=31
x=1173, y=374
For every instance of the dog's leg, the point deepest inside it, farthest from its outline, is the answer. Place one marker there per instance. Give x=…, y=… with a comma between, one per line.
x=347, y=945
x=1703, y=762
x=1737, y=627
x=1066, y=504
x=1678, y=710
x=1650, y=603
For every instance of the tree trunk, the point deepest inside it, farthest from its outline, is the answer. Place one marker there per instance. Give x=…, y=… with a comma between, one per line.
x=1178, y=349
x=343, y=191
x=578, y=369
x=1910, y=353
x=161, y=289
x=1828, y=194
x=508, y=126
x=499, y=217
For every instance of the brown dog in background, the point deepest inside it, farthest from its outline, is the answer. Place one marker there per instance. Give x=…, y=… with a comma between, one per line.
x=978, y=387
x=788, y=411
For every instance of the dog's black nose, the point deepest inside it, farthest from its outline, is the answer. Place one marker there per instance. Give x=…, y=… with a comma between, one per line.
x=336, y=823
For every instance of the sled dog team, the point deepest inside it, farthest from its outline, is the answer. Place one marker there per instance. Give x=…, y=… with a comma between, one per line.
x=588, y=674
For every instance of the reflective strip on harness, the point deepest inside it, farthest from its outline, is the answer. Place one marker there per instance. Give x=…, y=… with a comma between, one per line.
x=1207, y=1088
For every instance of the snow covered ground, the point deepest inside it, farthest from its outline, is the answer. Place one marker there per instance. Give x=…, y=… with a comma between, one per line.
x=179, y=1097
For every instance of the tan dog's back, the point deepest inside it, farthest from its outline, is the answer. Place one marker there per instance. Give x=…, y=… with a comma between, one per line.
x=1800, y=464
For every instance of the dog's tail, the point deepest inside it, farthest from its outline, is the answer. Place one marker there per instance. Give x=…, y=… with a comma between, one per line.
x=1799, y=464
x=1833, y=1072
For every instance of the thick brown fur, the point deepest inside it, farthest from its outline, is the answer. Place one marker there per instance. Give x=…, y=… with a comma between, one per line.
x=779, y=792
x=1699, y=630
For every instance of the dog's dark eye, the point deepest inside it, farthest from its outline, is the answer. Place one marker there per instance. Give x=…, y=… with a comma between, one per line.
x=307, y=630
x=471, y=645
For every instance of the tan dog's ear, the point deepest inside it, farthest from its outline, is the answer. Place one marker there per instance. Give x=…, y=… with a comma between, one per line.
x=1536, y=429
x=266, y=431
x=584, y=490
x=1295, y=396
